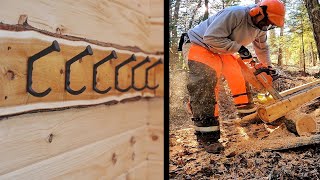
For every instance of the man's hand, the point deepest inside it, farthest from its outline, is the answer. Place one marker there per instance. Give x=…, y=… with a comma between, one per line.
x=273, y=73
x=244, y=53
x=269, y=70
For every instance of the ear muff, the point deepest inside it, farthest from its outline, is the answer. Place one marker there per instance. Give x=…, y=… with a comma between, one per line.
x=255, y=11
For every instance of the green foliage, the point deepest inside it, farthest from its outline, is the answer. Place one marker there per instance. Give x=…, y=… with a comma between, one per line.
x=297, y=26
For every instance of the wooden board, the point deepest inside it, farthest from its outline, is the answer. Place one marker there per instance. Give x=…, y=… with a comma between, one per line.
x=106, y=21
x=25, y=139
x=138, y=172
x=155, y=143
x=156, y=113
x=155, y=170
x=49, y=71
x=105, y=159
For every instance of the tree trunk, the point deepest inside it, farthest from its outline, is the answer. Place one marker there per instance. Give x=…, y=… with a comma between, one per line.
x=174, y=56
x=174, y=26
x=206, y=13
x=280, y=55
x=272, y=38
x=314, y=15
x=280, y=59
x=311, y=54
x=194, y=13
x=303, y=54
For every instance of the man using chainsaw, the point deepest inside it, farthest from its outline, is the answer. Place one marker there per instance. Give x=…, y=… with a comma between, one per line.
x=211, y=49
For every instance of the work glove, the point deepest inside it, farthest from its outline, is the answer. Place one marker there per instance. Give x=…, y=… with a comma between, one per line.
x=244, y=53
x=273, y=73
x=269, y=70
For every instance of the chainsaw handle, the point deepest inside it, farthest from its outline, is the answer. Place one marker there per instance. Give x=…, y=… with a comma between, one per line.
x=261, y=70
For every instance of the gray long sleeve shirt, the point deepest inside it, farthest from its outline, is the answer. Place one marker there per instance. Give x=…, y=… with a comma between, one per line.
x=228, y=30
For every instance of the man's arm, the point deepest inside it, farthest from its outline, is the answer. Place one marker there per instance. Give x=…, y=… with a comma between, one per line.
x=216, y=36
x=261, y=48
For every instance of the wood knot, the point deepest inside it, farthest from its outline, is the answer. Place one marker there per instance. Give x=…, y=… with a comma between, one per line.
x=10, y=75
x=9, y=48
x=61, y=71
x=58, y=31
x=6, y=97
x=50, y=137
x=154, y=137
x=132, y=140
x=114, y=158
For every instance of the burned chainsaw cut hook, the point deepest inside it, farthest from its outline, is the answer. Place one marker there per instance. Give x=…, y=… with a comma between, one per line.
x=112, y=55
x=132, y=58
x=133, y=69
x=87, y=51
x=54, y=47
x=147, y=72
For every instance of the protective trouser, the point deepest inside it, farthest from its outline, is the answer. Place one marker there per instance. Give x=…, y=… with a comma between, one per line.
x=205, y=69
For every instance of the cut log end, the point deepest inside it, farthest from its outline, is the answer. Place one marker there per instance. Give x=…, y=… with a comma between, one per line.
x=303, y=125
x=263, y=115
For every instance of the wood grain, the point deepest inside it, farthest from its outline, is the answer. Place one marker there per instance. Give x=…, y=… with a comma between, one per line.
x=138, y=172
x=25, y=139
x=155, y=170
x=105, y=159
x=155, y=143
x=107, y=21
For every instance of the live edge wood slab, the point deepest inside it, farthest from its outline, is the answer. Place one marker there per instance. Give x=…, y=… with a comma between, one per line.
x=49, y=72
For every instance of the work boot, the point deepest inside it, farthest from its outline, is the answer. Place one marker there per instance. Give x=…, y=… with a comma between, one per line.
x=208, y=134
x=246, y=110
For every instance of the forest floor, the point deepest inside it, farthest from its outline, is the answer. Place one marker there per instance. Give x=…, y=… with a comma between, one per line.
x=245, y=155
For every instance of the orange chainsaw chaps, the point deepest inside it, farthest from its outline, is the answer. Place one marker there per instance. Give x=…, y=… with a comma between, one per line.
x=236, y=82
x=226, y=65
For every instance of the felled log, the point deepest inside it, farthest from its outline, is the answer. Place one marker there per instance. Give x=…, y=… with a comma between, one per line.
x=298, y=88
x=301, y=124
x=279, y=109
x=293, y=142
x=247, y=119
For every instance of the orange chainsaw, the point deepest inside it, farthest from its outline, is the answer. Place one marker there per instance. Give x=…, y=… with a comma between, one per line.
x=258, y=77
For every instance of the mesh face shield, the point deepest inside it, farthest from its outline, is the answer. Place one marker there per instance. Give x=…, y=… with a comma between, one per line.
x=265, y=24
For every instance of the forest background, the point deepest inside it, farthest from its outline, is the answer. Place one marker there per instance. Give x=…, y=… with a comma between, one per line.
x=297, y=44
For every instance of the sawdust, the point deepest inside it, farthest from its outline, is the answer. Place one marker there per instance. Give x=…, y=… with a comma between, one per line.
x=247, y=152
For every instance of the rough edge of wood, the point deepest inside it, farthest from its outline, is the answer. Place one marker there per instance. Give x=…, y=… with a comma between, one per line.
x=26, y=27
x=7, y=112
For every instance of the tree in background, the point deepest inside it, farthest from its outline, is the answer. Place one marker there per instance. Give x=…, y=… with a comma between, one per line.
x=313, y=9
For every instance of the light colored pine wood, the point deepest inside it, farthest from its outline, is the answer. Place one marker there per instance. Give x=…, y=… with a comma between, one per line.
x=155, y=170
x=106, y=21
x=159, y=79
x=16, y=47
x=24, y=139
x=104, y=159
x=246, y=119
x=155, y=143
x=279, y=109
x=298, y=88
x=138, y=172
x=301, y=123
x=156, y=113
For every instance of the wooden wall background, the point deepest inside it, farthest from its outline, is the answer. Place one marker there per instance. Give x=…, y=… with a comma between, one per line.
x=122, y=140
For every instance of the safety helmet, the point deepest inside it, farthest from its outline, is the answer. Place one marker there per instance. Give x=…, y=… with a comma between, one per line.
x=273, y=9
